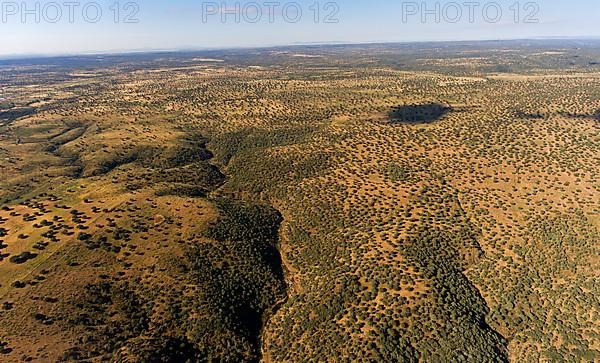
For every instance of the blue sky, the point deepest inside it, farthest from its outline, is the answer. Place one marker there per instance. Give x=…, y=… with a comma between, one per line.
x=181, y=24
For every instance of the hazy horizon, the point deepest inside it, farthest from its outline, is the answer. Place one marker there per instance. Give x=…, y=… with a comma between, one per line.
x=109, y=52
x=48, y=28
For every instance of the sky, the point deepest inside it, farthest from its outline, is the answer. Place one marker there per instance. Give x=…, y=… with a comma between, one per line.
x=73, y=27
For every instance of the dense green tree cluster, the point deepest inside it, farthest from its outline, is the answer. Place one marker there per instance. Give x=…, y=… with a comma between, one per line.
x=241, y=280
